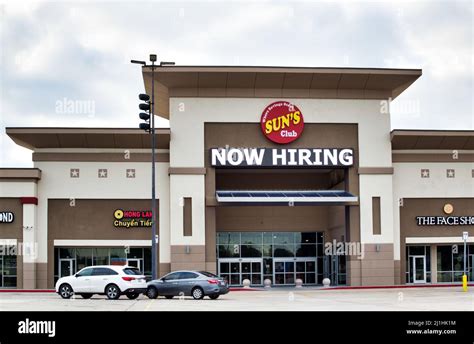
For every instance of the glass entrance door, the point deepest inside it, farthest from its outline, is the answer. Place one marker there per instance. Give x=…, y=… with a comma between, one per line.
x=419, y=269
x=235, y=270
x=66, y=267
x=288, y=270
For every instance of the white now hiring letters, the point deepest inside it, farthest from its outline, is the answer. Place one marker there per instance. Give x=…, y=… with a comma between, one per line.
x=281, y=157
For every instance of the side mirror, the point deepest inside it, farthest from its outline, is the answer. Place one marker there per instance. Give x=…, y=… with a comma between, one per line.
x=76, y=275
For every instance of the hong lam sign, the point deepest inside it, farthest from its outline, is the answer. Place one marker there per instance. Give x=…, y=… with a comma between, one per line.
x=282, y=157
x=132, y=218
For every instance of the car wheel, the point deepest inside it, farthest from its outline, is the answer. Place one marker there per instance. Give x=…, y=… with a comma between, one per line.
x=65, y=291
x=112, y=292
x=169, y=297
x=152, y=293
x=214, y=297
x=197, y=293
x=86, y=296
x=132, y=296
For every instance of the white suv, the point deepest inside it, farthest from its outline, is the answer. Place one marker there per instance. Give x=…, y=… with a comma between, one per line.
x=111, y=280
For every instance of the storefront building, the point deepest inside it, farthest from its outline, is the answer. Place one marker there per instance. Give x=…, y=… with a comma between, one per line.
x=265, y=173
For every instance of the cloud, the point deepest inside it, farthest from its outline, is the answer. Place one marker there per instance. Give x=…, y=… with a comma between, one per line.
x=80, y=51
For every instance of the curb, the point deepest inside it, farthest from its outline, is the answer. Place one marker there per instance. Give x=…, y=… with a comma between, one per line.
x=276, y=288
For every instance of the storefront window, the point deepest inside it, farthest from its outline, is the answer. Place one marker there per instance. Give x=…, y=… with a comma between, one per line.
x=135, y=253
x=226, y=238
x=8, y=272
x=269, y=251
x=100, y=256
x=118, y=256
x=228, y=251
x=251, y=238
x=251, y=251
x=67, y=253
x=284, y=251
x=306, y=250
x=445, y=258
x=83, y=258
x=283, y=238
x=147, y=261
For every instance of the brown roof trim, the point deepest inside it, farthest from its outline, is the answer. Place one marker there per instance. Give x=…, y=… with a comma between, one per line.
x=60, y=137
x=276, y=82
x=283, y=69
x=20, y=173
x=432, y=139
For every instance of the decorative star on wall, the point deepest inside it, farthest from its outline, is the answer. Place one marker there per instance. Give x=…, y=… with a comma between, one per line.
x=74, y=173
x=130, y=173
x=102, y=173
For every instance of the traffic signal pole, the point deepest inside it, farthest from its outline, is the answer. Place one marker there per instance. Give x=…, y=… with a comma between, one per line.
x=153, y=182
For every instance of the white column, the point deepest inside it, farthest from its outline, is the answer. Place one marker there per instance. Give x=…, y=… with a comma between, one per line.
x=30, y=246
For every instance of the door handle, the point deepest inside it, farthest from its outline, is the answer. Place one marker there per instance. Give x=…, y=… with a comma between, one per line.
x=87, y=279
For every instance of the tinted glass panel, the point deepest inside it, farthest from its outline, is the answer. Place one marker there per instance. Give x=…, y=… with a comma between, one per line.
x=132, y=271
x=251, y=251
x=228, y=238
x=187, y=275
x=444, y=258
x=251, y=238
x=100, y=256
x=172, y=276
x=85, y=272
x=66, y=253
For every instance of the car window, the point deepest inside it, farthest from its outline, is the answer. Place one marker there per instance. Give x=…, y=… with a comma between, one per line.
x=132, y=271
x=172, y=276
x=187, y=275
x=207, y=274
x=104, y=272
x=85, y=272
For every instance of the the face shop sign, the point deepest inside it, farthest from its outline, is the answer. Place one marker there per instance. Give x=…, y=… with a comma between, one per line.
x=281, y=157
x=6, y=217
x=445, y=220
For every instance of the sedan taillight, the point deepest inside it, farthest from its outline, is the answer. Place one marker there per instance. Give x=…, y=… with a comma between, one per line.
x=128, y=279
x=213, y=281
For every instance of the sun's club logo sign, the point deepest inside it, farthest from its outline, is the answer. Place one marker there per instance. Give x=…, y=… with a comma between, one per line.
x=282, y=122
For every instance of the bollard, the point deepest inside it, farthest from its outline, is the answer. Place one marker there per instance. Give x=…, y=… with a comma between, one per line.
x=464, y=282
x=326, y=282
x=267, y=283
x=299, y=283
x=246, y=283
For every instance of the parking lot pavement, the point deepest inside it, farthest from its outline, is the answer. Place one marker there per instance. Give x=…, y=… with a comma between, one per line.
x=413, y=299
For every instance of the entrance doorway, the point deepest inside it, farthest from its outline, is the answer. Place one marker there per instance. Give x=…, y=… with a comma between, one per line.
x=419, y=269
x=236, y=270
x=66, y=267
x=288, y=270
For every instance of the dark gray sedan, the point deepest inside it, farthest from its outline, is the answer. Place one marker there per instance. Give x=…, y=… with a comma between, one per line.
x=188, y=283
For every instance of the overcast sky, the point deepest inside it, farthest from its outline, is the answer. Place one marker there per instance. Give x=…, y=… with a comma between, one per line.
x=53, y=52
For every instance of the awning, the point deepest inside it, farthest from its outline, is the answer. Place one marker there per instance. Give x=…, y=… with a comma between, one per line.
x=285, y=197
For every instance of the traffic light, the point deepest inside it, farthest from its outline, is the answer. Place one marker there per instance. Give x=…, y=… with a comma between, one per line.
x=145, y=116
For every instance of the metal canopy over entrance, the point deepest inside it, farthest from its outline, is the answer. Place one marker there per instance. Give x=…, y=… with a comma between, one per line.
x=285, y=197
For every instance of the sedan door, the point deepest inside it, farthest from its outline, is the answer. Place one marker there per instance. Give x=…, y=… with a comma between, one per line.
x=169, y=284
x=187, y=280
